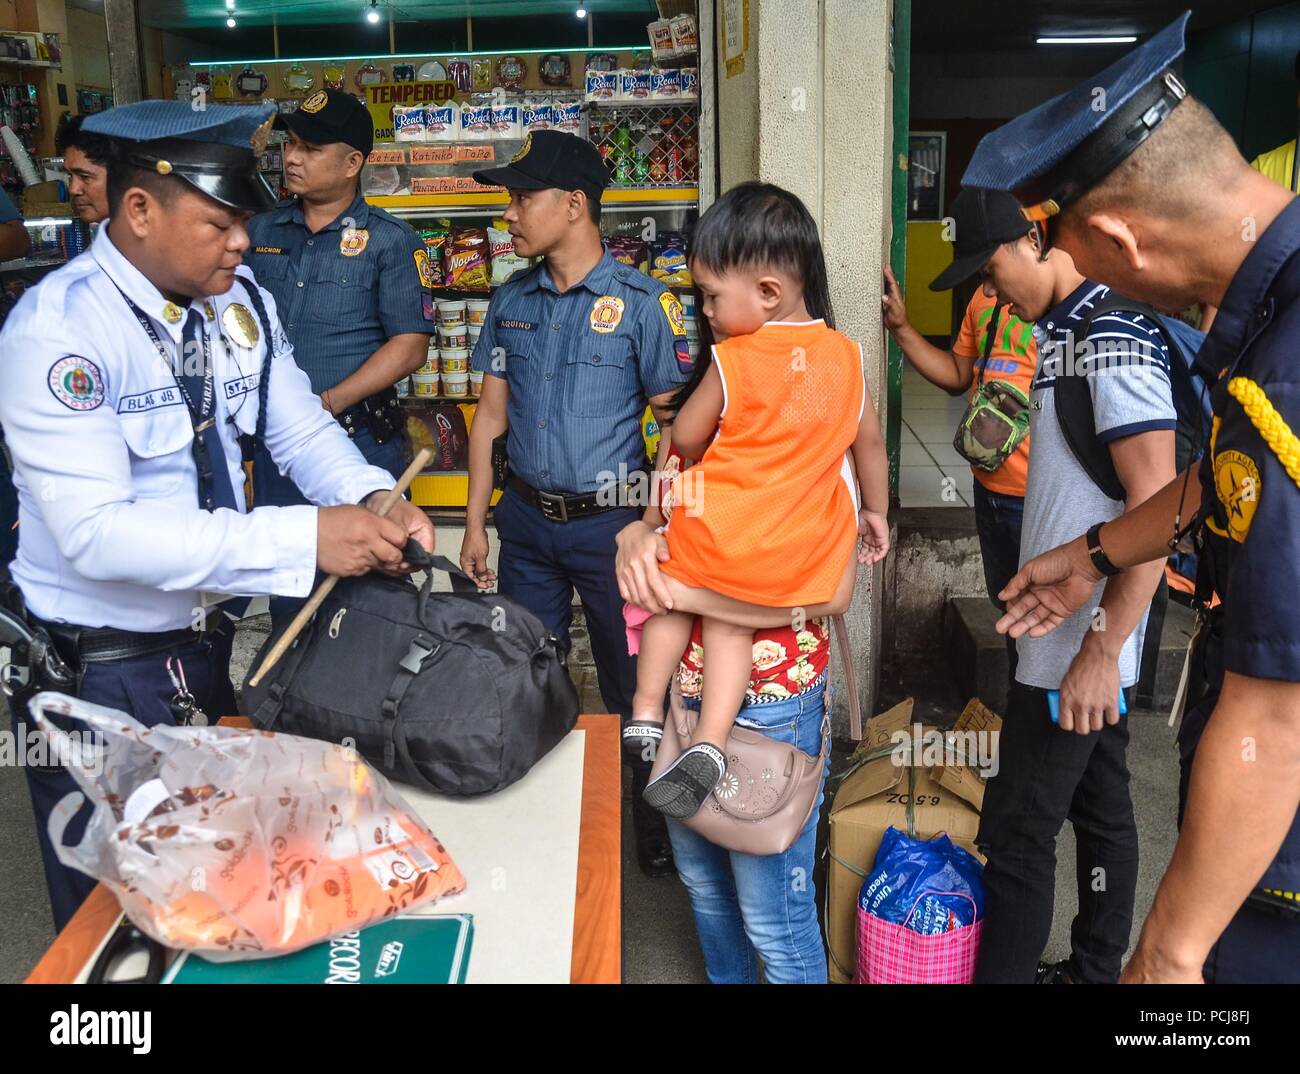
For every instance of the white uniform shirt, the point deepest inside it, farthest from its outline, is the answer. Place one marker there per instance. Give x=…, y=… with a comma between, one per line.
x=110, y=532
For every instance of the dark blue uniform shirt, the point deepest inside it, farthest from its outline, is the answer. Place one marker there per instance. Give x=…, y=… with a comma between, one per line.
x=344, y=291
x=581, y=366
x=1250, y=505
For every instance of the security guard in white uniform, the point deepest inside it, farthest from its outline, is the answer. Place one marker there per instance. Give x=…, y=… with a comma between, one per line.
x=127, y=380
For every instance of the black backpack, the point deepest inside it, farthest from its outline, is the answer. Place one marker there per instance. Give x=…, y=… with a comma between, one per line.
x=459, y=693
x=1074, y=413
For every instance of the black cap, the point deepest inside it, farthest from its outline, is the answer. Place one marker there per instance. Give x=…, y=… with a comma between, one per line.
x=330, y=116
x=982, y=220
x=215, y=150
x=552, y=160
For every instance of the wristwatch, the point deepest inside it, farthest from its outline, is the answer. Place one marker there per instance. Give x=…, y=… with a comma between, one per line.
x=1098, y=555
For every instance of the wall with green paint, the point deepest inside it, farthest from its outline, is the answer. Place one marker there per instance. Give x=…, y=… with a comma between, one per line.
x=1245, y=71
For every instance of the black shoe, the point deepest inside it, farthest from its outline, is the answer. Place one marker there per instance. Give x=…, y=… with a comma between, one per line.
x=684, y=786
x=1056, y=973
x=654, y=852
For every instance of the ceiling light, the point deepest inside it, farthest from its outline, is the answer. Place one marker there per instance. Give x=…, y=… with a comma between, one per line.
x=231, y=22
x=581, y=12
x=373, y=14
x=1121, y=40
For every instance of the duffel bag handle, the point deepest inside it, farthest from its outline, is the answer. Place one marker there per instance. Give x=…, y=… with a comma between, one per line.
x=427, y=561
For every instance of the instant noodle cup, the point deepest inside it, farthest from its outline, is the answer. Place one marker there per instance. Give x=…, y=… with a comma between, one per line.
x=476, y=382
x=452, y=335
x=424, y=385
x=456, y=385
x=476, y=311
x=451, y=311
x=454, y=360
x=403, y=387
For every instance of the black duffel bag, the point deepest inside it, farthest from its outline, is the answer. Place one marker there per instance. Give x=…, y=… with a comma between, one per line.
x=458, y=693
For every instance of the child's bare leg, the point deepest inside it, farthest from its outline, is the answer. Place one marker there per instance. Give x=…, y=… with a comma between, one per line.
x=757, y=616
x=729, y=656
x=663, y=640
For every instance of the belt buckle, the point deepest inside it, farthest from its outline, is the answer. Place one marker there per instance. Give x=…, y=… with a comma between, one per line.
x=553, y=506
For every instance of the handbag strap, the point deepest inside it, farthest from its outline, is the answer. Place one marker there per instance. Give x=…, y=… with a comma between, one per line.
x=850, y=677
x=995, y=321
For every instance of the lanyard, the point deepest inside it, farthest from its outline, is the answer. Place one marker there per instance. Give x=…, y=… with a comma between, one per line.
x=202, y=413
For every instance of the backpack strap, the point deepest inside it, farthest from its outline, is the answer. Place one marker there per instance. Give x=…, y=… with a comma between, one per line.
x=995, y=322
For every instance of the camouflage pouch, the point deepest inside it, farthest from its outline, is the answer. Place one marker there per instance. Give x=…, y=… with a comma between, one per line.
x=994, y=425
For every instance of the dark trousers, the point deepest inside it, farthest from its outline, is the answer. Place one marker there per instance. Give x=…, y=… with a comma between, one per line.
x=273, y=489
x=8, y=510
x=998, y=518
x=543, y=562
x=1046, y=776
x=141, y=688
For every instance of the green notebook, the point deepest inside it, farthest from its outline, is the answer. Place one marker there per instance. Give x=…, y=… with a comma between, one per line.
x=407, y=949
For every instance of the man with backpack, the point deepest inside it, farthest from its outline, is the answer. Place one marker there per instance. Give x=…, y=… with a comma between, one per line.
x=1070, y=764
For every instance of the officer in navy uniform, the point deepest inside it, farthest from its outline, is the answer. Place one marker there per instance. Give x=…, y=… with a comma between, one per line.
x=352, y=285
x=572, y=351
x=127, y=380
x=1150, y=194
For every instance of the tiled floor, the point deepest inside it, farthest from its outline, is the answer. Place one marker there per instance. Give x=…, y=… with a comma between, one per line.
x=931, y=473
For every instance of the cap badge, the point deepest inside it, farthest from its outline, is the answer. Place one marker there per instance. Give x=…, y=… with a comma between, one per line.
x=523, y=149
x=606, y=313
x=240, y=325
x=172, y=313
x=261, y=135
x=316, y=101
x=163, y=167
x=353, y=241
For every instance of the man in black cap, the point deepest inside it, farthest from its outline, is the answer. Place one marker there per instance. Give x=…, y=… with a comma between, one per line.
x=128, y=380
x=572, y=351
x=995, y=348
x=351, y=284
x=1153, y=196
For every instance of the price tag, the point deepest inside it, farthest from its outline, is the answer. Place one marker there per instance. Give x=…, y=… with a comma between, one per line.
x=387, y=156
x=433, y=154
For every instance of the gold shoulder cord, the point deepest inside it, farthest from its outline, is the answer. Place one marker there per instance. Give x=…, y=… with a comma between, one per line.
x=1270, y=425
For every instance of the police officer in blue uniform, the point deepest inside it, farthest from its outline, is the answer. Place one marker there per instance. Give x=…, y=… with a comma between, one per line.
x=128, y=380
x=571, y=352
x=352, y=285
x=1139, y=183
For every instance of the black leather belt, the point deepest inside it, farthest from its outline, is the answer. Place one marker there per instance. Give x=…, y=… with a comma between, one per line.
x=380, y=413
x=103, y=645
x=563, y=506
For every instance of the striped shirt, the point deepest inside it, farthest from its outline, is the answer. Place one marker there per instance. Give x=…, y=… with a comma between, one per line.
x=581, y=367
x=1127, y=365
x=343, y=291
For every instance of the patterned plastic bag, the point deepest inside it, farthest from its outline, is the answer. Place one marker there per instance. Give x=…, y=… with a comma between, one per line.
x=233, y=843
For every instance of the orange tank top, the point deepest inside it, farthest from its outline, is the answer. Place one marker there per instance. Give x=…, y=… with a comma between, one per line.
x=768, y=515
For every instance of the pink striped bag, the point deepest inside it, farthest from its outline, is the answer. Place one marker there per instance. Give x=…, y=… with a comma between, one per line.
x=894, y=954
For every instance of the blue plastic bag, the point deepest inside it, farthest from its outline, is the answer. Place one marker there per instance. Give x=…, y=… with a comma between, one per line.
x=931, y=887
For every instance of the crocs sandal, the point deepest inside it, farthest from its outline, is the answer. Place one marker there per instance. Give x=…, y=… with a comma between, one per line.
x=687, y=782
x=641, y=737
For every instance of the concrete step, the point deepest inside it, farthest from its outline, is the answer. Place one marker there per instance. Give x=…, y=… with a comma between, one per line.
x=977, y=653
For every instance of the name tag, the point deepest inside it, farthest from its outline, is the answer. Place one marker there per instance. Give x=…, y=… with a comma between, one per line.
x=242, y=386
x=268, y=250
x=519, y=326
x=142, y=401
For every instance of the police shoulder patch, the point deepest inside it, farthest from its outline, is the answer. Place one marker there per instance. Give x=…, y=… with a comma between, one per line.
x=672, y=307
x=1237, y=484
x=77, y=382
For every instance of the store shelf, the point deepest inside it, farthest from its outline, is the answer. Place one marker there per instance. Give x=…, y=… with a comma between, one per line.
x=25, y=263
x=680, y=195
x=444, y=490
x=650, y=102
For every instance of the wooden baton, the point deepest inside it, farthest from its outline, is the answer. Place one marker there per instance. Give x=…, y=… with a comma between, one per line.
x=305, y=613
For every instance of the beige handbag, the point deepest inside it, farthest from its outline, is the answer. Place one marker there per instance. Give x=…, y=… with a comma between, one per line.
x=764, y=801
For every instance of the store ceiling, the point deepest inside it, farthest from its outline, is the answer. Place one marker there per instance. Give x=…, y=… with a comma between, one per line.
x=972, y=26
x=183, y=15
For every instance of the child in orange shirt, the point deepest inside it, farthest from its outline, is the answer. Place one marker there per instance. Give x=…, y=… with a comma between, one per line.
x=765, y=524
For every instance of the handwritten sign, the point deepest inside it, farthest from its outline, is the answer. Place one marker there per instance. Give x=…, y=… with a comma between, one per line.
x=433, y=154
x=387, y=156
x=451, y=184
x=476, y=153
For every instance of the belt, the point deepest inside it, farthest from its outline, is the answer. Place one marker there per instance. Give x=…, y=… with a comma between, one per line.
x=563, y=506
x=103, y=645
x=356, y=416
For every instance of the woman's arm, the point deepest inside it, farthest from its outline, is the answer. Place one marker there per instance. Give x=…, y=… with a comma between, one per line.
x=697, y=421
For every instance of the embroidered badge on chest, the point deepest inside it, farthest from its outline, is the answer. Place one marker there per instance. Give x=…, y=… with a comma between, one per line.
x=606, y=313
x=76, y=382
x=353, y=241
x=240, y=325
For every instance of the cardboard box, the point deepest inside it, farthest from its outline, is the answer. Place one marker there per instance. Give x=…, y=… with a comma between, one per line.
x=896, y=784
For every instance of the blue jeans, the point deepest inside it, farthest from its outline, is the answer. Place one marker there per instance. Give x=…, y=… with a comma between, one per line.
x=749, y=906
x=997, y=520
x=272, y=489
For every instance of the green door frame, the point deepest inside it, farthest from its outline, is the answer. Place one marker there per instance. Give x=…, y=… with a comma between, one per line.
x=901, y=56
